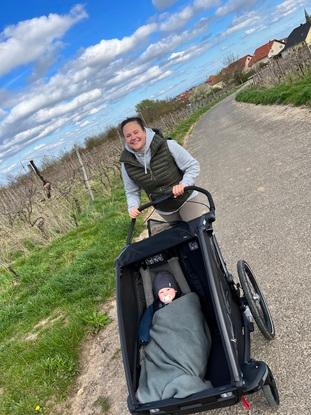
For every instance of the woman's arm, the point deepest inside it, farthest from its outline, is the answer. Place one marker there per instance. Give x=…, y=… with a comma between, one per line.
x=186, y=163
x=132, y=191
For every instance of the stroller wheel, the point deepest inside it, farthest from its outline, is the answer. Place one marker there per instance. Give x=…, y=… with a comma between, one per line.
x=270, y=391
x=256, y=300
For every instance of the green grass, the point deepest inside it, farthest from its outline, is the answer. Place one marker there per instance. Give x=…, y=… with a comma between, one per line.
x=64, y=283
x=297, y=93
x=48, y=308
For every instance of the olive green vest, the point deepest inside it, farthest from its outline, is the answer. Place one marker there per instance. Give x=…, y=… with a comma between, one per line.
x=162, y=175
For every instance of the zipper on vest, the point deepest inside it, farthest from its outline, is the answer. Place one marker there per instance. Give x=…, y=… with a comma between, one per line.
x=151, y=174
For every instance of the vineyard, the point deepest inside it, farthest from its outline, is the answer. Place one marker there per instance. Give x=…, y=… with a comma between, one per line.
x=36, y=209
x=295, y=65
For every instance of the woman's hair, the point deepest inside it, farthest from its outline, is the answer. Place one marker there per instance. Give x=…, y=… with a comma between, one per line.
x=132, y=119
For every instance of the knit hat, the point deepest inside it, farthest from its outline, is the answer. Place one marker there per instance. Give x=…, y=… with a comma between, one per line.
x=164, y=279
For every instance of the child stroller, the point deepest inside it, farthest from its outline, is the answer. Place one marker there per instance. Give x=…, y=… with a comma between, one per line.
x=191, y=253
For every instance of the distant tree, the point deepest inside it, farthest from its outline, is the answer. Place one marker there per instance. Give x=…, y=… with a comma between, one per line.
x=229, y=59
x=153, y=110
x=108, y=135
x=200, y=92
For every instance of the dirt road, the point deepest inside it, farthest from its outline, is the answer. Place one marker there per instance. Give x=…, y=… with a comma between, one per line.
x=256, y=161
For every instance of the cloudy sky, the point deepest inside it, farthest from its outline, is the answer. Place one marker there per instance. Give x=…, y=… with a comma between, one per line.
x=68, y=70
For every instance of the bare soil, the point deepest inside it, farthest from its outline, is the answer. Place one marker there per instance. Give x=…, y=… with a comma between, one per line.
x=100, y=388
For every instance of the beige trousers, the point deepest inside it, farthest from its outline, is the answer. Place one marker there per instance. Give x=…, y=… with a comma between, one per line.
x=189, y=210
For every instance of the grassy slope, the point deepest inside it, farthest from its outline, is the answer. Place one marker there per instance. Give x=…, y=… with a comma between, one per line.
x=296, y=93
x=64, y=282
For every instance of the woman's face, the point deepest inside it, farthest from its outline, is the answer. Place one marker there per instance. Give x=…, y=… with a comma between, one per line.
x=134, y=135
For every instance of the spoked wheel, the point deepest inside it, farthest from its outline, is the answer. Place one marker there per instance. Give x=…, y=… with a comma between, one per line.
x=255, y=300
x=270, y=391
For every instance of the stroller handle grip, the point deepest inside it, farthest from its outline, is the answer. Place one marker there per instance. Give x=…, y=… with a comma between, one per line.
x=169, y=196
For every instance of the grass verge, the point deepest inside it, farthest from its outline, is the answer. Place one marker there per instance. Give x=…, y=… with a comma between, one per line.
x=48, y=308
x=297, y=93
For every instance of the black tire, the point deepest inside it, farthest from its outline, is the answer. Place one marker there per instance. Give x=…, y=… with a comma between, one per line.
x=270, y=391
x=256, y=300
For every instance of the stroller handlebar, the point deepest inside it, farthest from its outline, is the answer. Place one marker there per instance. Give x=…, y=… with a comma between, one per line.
x=169, y=196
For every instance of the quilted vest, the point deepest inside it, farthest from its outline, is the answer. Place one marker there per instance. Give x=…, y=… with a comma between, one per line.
x=162, y=175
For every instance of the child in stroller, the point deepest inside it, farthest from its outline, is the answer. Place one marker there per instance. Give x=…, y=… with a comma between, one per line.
x=229, y=307
x=175, y=341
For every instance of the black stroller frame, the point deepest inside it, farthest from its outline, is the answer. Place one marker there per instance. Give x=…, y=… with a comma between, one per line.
x=229, y=307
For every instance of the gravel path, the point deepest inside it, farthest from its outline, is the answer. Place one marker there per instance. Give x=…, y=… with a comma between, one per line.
x=256, y=161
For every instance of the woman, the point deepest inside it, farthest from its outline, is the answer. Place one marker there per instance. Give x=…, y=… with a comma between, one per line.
x=157, y=166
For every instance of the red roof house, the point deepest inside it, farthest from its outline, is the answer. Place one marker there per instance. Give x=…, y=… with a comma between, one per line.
x=266, y=51
x=241, y=65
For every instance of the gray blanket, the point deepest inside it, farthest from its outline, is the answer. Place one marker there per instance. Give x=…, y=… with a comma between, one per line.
x=173, y=363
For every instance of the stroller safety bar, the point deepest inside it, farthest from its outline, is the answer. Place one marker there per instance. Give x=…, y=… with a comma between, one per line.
x=154, y=203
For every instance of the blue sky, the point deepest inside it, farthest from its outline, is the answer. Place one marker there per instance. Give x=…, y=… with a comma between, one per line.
x=68, y=69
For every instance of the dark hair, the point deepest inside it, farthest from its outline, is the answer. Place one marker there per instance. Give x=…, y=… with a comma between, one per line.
x=132, y=119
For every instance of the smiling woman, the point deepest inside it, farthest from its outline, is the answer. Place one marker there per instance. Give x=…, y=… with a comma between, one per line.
x=157, y=166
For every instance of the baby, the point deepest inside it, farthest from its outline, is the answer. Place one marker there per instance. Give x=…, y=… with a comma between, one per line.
x=175, y=342
x=165, y=289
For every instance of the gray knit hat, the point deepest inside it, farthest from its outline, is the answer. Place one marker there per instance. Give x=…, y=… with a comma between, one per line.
x=164, y=279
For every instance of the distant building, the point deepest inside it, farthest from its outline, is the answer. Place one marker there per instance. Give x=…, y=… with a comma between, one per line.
x=240, y=65
x=184, y=96
x=215, y=81
x=265, y=52
x=300, y=35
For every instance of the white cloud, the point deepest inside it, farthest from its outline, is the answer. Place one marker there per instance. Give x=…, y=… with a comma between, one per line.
x=162, y=47
x=123, y=75
x=187, y=54
x=250, y=31
x=95, y=67
x=169, y=43
x=255, y=29
x=242, y=22
x=35, y=36
x=153, y=74
x=205, y=4
x=6, y=170
x=50, y=128
x=287, y=7
x=45, y=146
x=84, y=123
x=102, y=74
x=106, y=50
x=179, y=19
x=163, y=4
x=77, y=102
x=24, y=135
x=39, y=146
x=234, y=5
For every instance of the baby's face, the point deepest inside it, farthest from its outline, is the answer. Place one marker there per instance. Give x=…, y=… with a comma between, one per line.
x=167, y=295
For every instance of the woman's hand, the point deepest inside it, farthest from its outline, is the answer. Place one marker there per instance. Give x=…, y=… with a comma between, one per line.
x=178, y=189
x=134, y=212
